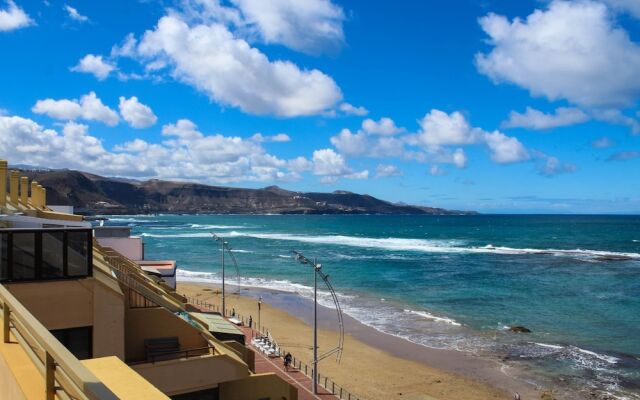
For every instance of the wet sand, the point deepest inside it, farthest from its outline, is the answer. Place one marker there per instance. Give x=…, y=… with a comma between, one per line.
x=374, y=365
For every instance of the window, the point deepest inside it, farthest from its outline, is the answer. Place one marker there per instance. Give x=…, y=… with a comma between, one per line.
x=77, y=252
x=4, y=256
x=35, y=254
x=78, y=341
x=52, y=254
x=24, y=255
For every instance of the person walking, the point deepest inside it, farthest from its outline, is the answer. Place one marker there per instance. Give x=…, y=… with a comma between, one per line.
x=250, y=321
x=287, y=361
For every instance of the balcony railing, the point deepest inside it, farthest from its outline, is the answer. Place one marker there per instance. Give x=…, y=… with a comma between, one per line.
x=64, y=375
x=45, y=254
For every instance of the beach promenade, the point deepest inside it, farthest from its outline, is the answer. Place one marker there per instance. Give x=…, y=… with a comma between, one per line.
x=265, y=364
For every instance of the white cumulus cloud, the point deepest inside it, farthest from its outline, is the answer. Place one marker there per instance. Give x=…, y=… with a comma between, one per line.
x=89, y=107
x=505, y=149
x=95, y=65
x=232, y=72
x=310, y=26
x=74, y=14
x=186, y=154
x=280, y=137
x=630, y=6
x=13, y=17
x=384, y=170
x=350, y=109
x=385, y=126
x=571, y=50
x=331, y=166
x=536, y=119
x=138, y=115
x=439, y=128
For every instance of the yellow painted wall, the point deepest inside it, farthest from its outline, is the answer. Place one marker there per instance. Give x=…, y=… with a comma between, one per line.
x=57, y=304
x=19, y=377
x=257, y=387
x=174, y=377
x=9, y=387
x=123, y=381
x=109, y=322
x=246, y=354
x=78, y=303
x=150, y=323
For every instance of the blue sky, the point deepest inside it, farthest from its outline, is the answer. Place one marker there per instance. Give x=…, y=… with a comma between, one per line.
x=496, y=106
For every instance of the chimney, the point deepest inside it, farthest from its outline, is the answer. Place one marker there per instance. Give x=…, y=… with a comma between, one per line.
x=3, y=183
x=24, y=190
x=14, y=181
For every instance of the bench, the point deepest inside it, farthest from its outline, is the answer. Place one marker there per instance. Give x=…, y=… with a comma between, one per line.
x=164, y=348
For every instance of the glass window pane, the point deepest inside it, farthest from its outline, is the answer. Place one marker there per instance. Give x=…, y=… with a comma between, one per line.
x=52, y=254
x=76, y=340
x=4, y=253
x=78, y=253
x=24, y=257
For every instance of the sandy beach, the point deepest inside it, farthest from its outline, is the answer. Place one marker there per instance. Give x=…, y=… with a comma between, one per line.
x=374, y=365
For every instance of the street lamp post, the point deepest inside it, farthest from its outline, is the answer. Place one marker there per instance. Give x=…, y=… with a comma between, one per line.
x=224, y=309
x=316, y=267
x=223, y=246
x=259, y=307
x=317, y=272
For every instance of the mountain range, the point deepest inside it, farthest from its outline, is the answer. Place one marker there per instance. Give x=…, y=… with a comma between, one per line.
x=94, y=194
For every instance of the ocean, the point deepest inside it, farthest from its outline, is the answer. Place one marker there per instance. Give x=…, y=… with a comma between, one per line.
x=454, y=282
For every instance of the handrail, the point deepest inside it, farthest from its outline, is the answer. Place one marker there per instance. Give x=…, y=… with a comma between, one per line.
x=54, y=360
x=180, y=352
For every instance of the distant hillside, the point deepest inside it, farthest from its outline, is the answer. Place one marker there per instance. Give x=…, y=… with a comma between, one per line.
x=93, y=194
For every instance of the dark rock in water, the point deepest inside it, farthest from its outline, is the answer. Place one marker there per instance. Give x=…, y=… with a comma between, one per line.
x=519, y=329
x=613, y=257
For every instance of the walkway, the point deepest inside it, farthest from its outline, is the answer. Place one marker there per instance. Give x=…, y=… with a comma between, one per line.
x=265, y=364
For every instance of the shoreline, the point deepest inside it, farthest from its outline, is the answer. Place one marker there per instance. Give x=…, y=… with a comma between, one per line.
x=413, y=370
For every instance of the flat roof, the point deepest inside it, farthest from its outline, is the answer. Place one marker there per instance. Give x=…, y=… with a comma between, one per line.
x=164, y=267
x=122, y=380
x=218, y=324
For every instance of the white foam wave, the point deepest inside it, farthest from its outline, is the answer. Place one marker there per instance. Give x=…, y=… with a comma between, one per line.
x=433, y=317
x=176, y=235
x=200, y=226
x=549, y=346
x=602, y=357
x=433, y=245
x=129, y=220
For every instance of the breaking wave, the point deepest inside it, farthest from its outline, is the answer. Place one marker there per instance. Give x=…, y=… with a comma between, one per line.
x=436, y=246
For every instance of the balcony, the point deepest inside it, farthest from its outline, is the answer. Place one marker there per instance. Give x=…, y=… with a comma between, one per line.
x=45, y=254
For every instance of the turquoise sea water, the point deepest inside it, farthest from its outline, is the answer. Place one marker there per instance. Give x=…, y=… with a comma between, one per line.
x=449, y=281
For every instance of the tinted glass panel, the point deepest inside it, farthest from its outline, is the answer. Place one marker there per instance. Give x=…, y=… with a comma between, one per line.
x=52, y=254
x=24, y=257
x=76, y=340
x=4, y=254
x=78, y=253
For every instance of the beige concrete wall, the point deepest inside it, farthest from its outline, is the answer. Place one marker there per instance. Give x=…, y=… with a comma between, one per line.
x=57, y=304
x=78, y=303
x=130, y=247
x=246, y=354
x=189, y=375
x=256, y=387
x=108, y=322
x=149, y=323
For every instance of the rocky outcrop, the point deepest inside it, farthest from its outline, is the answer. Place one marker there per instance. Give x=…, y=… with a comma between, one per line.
x=519, y=329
